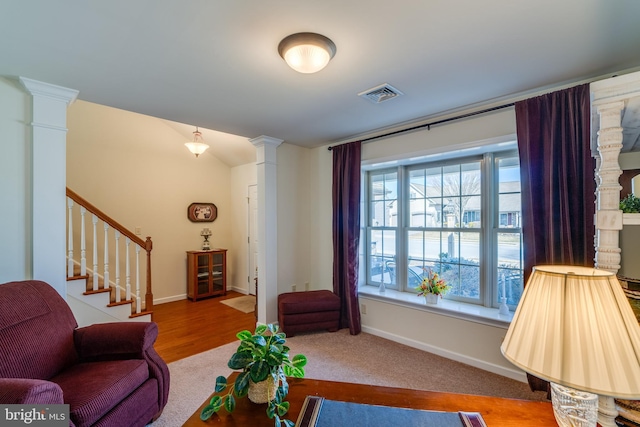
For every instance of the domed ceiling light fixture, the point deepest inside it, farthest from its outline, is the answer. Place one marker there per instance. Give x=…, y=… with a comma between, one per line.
x=197, y=146
x=307, y=52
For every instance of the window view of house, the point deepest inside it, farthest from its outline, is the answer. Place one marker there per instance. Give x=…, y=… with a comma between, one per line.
x=458, y=218
x=509, y=235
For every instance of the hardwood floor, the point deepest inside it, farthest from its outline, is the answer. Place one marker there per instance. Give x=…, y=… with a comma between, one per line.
x=187, y=328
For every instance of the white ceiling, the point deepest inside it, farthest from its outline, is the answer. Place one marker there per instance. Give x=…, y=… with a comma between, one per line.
x=214, y=63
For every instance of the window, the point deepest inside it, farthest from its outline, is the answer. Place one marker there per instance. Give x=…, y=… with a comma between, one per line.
x=383, y=222
x=508, y=233
x=460, y=218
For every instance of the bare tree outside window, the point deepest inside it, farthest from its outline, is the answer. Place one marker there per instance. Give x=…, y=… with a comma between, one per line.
x=459, y=188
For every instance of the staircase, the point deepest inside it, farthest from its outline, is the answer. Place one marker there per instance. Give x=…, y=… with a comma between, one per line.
x=99, y=292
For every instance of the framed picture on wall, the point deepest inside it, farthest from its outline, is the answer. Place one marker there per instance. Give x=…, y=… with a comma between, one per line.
x=202, y=212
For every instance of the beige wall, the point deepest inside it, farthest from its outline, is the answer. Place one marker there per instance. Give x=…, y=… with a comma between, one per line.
x=305, y=253
x=454, y=135
x=294, y=227
x=137, y=170
x=473, y=343
x=320, y=171
x=15, y=184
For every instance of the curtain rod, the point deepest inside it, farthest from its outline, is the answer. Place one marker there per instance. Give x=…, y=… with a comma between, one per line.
x=438, y=122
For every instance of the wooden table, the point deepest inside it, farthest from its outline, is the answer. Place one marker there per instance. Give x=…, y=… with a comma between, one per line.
x=497, y=412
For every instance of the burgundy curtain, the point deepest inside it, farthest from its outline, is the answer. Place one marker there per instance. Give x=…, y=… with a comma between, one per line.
x=346, y=232
x=557, y=177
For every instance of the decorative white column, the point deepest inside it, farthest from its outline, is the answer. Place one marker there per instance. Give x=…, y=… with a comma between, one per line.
x=609, y=99
x=266, y=168
x=48, y=180
x=608, y=213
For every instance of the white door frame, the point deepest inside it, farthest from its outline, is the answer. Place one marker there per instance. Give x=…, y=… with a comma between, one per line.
x=252, y=237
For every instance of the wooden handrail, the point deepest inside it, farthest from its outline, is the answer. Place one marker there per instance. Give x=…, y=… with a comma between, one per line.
x=106, y=218
x=147, y=244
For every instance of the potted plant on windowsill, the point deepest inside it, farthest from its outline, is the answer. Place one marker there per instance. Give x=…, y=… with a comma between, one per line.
x=432, y=287
x=263, y=359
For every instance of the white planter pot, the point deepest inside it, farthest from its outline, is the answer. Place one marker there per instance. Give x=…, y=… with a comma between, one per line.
x=431, y=298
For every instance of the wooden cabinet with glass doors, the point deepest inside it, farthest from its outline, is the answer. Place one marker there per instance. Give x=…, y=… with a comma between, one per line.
x=206, y=273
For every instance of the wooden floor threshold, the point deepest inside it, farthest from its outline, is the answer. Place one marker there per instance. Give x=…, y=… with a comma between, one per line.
x=123, y=302
x=99, y=291
x=142, y=313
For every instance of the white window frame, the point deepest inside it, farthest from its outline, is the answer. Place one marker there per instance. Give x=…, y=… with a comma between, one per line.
x=489, y=231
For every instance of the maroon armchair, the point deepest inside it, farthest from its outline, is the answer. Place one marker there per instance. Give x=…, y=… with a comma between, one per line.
x=109, y=374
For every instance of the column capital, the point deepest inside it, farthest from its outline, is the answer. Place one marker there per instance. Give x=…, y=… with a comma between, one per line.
x=36, y=88
x=264, y=140
x=619, y=88
x=266, y=149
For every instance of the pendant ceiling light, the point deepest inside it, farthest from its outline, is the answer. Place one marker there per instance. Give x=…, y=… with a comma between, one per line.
x=197, y=146
x=307, y=52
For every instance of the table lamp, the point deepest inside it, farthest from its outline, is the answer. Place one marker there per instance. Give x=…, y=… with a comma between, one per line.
x=206, y=245
x=575, y=328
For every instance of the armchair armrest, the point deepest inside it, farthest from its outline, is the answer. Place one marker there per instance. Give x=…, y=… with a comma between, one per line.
x=118, y=340
x=30, y=391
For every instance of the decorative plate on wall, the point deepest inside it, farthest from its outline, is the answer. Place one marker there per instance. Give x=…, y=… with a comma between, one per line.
x=202, y=212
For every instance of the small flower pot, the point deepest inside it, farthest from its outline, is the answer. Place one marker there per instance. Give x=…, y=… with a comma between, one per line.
x=431, y=298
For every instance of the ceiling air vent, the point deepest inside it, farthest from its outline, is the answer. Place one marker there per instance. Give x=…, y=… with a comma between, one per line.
x=381, y=93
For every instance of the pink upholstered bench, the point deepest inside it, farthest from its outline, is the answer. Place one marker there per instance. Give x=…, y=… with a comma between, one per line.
x=308, y=311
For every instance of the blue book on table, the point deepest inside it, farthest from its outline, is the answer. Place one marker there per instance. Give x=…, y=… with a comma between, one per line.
x=320, y=412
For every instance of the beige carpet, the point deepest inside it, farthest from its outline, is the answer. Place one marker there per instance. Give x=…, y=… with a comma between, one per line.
x=364, y=358
x=245, y=304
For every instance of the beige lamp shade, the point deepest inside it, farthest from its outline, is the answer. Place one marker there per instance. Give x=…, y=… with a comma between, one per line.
x=574, y=326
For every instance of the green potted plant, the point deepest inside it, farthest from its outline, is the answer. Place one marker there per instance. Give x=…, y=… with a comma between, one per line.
x=432, y=287
x=263, y=359
x=630, y=204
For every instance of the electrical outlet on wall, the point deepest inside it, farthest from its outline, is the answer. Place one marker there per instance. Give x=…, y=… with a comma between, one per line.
x=293, y=288
x=363, y=308
x=306, y=286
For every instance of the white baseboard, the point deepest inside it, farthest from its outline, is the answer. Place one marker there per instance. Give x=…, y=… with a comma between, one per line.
x=476, y=363
x=184, y=296
x=238, y=290
x=169, y=299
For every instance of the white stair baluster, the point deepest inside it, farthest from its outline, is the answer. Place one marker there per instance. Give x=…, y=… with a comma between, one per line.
x=138, y=308
x=95, y=252
x=124, y=292
x=117, y=235
x=70, y=239
x=106, y=256
x=127, y=270
x=83, y=243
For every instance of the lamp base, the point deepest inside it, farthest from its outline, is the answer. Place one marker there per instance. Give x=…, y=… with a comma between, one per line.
x=607, y=412
x=574, y=408
x=206, y=245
